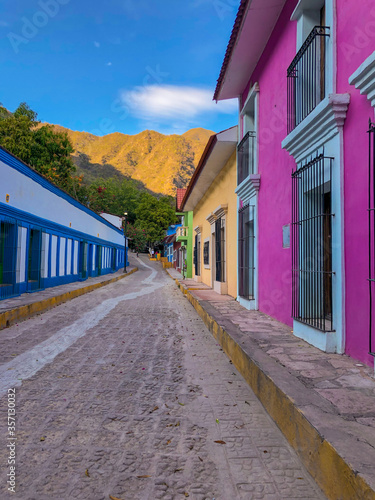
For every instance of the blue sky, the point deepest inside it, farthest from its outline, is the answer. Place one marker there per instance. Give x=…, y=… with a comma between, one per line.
x=117, y=65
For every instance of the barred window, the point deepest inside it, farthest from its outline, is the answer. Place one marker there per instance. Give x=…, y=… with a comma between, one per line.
x=246, y=248
x=197, y=255
x=312, y=244
x=206, y=253
x=220, y=249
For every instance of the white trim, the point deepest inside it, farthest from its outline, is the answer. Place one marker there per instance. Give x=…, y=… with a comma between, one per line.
x=252, y=304
x=326, y=341
x=305, y=5
x=322, y=124
x=247, y=304
x=254, y=91
x=307, y=15
x=249, y=187
x=221, y=211
x=211, y=218
x=333, y=341
x=221, y=287
x=364, y=78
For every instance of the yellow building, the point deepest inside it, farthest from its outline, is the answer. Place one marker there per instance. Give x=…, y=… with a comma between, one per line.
x=212, y=199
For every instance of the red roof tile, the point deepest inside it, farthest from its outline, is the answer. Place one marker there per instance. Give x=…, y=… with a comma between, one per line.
x=180, y=196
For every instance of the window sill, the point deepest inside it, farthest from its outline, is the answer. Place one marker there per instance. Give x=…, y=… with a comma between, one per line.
x=323, y=123
x=249, y=187
x=364, y=78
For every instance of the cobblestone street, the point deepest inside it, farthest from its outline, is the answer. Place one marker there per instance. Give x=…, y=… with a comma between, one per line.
x=126, y=395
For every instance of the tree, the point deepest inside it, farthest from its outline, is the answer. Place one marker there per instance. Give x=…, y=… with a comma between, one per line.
x=155, y=216
x=138, y=237
x=114, y=197
x=42, y=148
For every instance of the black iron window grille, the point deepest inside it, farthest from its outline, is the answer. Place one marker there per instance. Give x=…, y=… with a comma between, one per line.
x=197, y=259
x=371, y=228
x=312, y=244
x=206, y=253
x=246, y=157
x=220, y=249
x=306, y=77
x=246, y=251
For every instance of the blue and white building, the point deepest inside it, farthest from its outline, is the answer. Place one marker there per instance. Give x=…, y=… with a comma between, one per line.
x=48, y=238
x=169, y=241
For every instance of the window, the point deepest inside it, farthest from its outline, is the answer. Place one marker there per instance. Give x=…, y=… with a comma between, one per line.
x=246, y=157
x=206, y=253
x=99, y=258
x=8, y=254
x=246, y=149
x=246, y=251
x=83, y=259
x=34, y=260
x=197, y=255
x=307, y=72
x=220, y=249
x=312, y=244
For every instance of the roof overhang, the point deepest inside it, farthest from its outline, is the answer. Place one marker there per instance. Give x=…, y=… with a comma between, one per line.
x=252, y=29
x=219, y=149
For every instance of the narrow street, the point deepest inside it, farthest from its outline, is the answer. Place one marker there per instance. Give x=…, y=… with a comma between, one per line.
x=123, y=393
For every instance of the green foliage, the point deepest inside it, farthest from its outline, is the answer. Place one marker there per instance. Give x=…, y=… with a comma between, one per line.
x=42, y=148
x=138, y=237
x=155, y=216
x=50, y=153
x=114, y=197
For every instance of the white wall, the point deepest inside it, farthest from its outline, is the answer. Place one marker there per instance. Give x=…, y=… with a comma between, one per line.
x=28, y=195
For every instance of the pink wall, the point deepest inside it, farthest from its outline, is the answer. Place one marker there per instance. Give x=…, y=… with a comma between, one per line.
x=355, y=42
x=275, y=167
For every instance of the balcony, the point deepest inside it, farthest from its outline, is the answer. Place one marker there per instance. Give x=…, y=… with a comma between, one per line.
x=246, y=157
x=306, y=77
x=182, y=234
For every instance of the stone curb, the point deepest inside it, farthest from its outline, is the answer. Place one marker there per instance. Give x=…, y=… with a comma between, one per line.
x=337, y=478
x=8, y=318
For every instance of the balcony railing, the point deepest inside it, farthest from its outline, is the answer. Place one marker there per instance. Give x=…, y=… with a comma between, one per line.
x=182, y=232
x=306, y=77
x=246, y=157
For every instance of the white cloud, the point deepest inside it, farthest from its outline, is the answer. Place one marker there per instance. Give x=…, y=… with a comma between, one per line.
x=173, y=102
x=97, y=44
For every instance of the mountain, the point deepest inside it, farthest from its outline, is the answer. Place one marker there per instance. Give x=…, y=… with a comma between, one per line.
x=162, y=162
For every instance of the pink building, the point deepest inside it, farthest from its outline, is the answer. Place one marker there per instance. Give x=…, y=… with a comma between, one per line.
x=304, y=74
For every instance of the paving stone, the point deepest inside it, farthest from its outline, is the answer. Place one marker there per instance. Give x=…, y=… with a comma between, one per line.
x=142, y=405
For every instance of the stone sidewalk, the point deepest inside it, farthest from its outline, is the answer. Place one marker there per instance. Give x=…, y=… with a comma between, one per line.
x=323, y=403
x=27, y=305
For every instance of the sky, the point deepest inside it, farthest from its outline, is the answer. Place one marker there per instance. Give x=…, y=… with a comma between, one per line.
x=104, y=66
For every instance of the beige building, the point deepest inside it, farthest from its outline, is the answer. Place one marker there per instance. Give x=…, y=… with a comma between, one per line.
x=212, y=199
